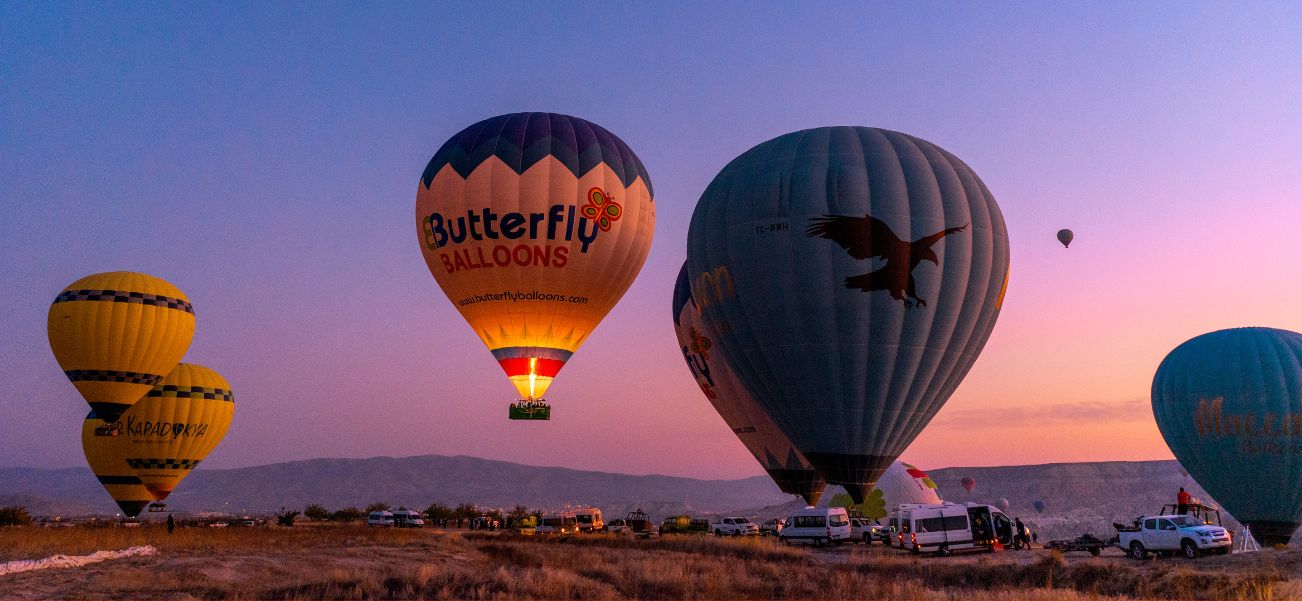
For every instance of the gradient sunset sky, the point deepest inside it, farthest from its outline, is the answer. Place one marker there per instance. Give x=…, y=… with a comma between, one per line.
x=264, y=157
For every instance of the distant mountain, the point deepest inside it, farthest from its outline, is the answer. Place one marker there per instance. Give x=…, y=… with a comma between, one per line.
x=1078, y=497
x=410, y=481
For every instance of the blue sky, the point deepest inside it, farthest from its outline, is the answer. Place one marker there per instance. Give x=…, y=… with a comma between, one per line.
x=264, y=158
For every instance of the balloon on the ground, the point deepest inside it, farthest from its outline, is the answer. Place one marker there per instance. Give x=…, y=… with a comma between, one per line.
x=968, y=483
x=1229, y=404
x=1065, y=237
x=1039, y=506
x=175, y=426
x=106, y=454
x=735, y=405
x=899, y=484
x=852, y=276
x=117, y=334
x=534, y=225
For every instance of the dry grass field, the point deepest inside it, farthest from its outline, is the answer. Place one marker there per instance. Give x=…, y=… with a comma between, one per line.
x=362, y=563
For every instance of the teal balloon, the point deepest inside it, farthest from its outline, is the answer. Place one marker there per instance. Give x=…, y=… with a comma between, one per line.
x=1039, y=506
x=1229, y=404
x=851, y=275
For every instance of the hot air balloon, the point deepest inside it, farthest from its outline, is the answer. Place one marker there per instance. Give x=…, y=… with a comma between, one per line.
x=175, y=426
x=1065, y=237
x=117, y=334
x=900, y=483
x=534, y=225
x=1039, y=506
x=852, y=276
x=968, y=483
x=757, y=432
x=1229, y=404
x=106, y=454
x=1003, y=504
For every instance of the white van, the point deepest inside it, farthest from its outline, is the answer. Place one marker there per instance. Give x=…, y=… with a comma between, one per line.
x=406, y=518
x=590, y=520
x=817, y=525
x=949, y=527
x=558, y=523
x=379, y=518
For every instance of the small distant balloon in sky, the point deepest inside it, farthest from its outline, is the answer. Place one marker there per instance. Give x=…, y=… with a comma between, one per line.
x=1039, y=506
x=1003, y=503
x=968, y=483
x=1065, y=237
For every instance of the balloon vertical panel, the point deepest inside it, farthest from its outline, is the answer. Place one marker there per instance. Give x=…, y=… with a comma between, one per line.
x=1229, y=404
x=864, y=271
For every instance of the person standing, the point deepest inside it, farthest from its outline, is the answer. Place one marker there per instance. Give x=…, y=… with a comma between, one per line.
x=1182, y=499
x=1023, y=541
x=171, y=524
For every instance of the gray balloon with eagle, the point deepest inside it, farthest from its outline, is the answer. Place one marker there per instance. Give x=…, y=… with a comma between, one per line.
x=851, y=276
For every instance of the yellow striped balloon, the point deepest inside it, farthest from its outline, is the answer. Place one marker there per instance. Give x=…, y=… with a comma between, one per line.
x=117, y=334
x=106, y=453
x=175, y=426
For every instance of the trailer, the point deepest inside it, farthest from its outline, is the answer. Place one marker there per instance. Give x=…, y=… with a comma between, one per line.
x=1085, y=542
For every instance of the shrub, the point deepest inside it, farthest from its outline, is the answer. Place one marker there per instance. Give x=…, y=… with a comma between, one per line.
x=14, y=515
x=316, y=512
x=347, y=514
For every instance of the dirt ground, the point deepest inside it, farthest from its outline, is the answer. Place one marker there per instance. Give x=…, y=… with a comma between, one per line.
x=362, y=563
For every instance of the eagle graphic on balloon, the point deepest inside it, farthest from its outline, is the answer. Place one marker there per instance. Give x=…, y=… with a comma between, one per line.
x=868, y=237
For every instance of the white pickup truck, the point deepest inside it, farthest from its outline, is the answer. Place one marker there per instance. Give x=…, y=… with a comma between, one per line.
x=1171, y=533
x=733, y=526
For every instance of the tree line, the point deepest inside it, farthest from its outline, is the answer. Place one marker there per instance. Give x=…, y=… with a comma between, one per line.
x=436, y=513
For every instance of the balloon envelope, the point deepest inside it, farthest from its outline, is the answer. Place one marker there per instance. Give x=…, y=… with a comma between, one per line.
x=900, y=483
x=1229, y=404
x=175, y=426
x=117, y=334
x=1003, y=504
x=1039, y=506
x=106, y=454
x=735, y=405
x=968, y=483
x=852, y=276
x=1065, y=237
x=534, y=225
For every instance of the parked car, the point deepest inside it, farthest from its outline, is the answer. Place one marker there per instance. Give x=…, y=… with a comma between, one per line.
x=867, y=531
x=617, y=526
x=950, y=527
x=379, y=518
x=817, y=525
x=1167, y=534
x=589, y=520
x=735, y=526
x=771, y=527
x=406, y=518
